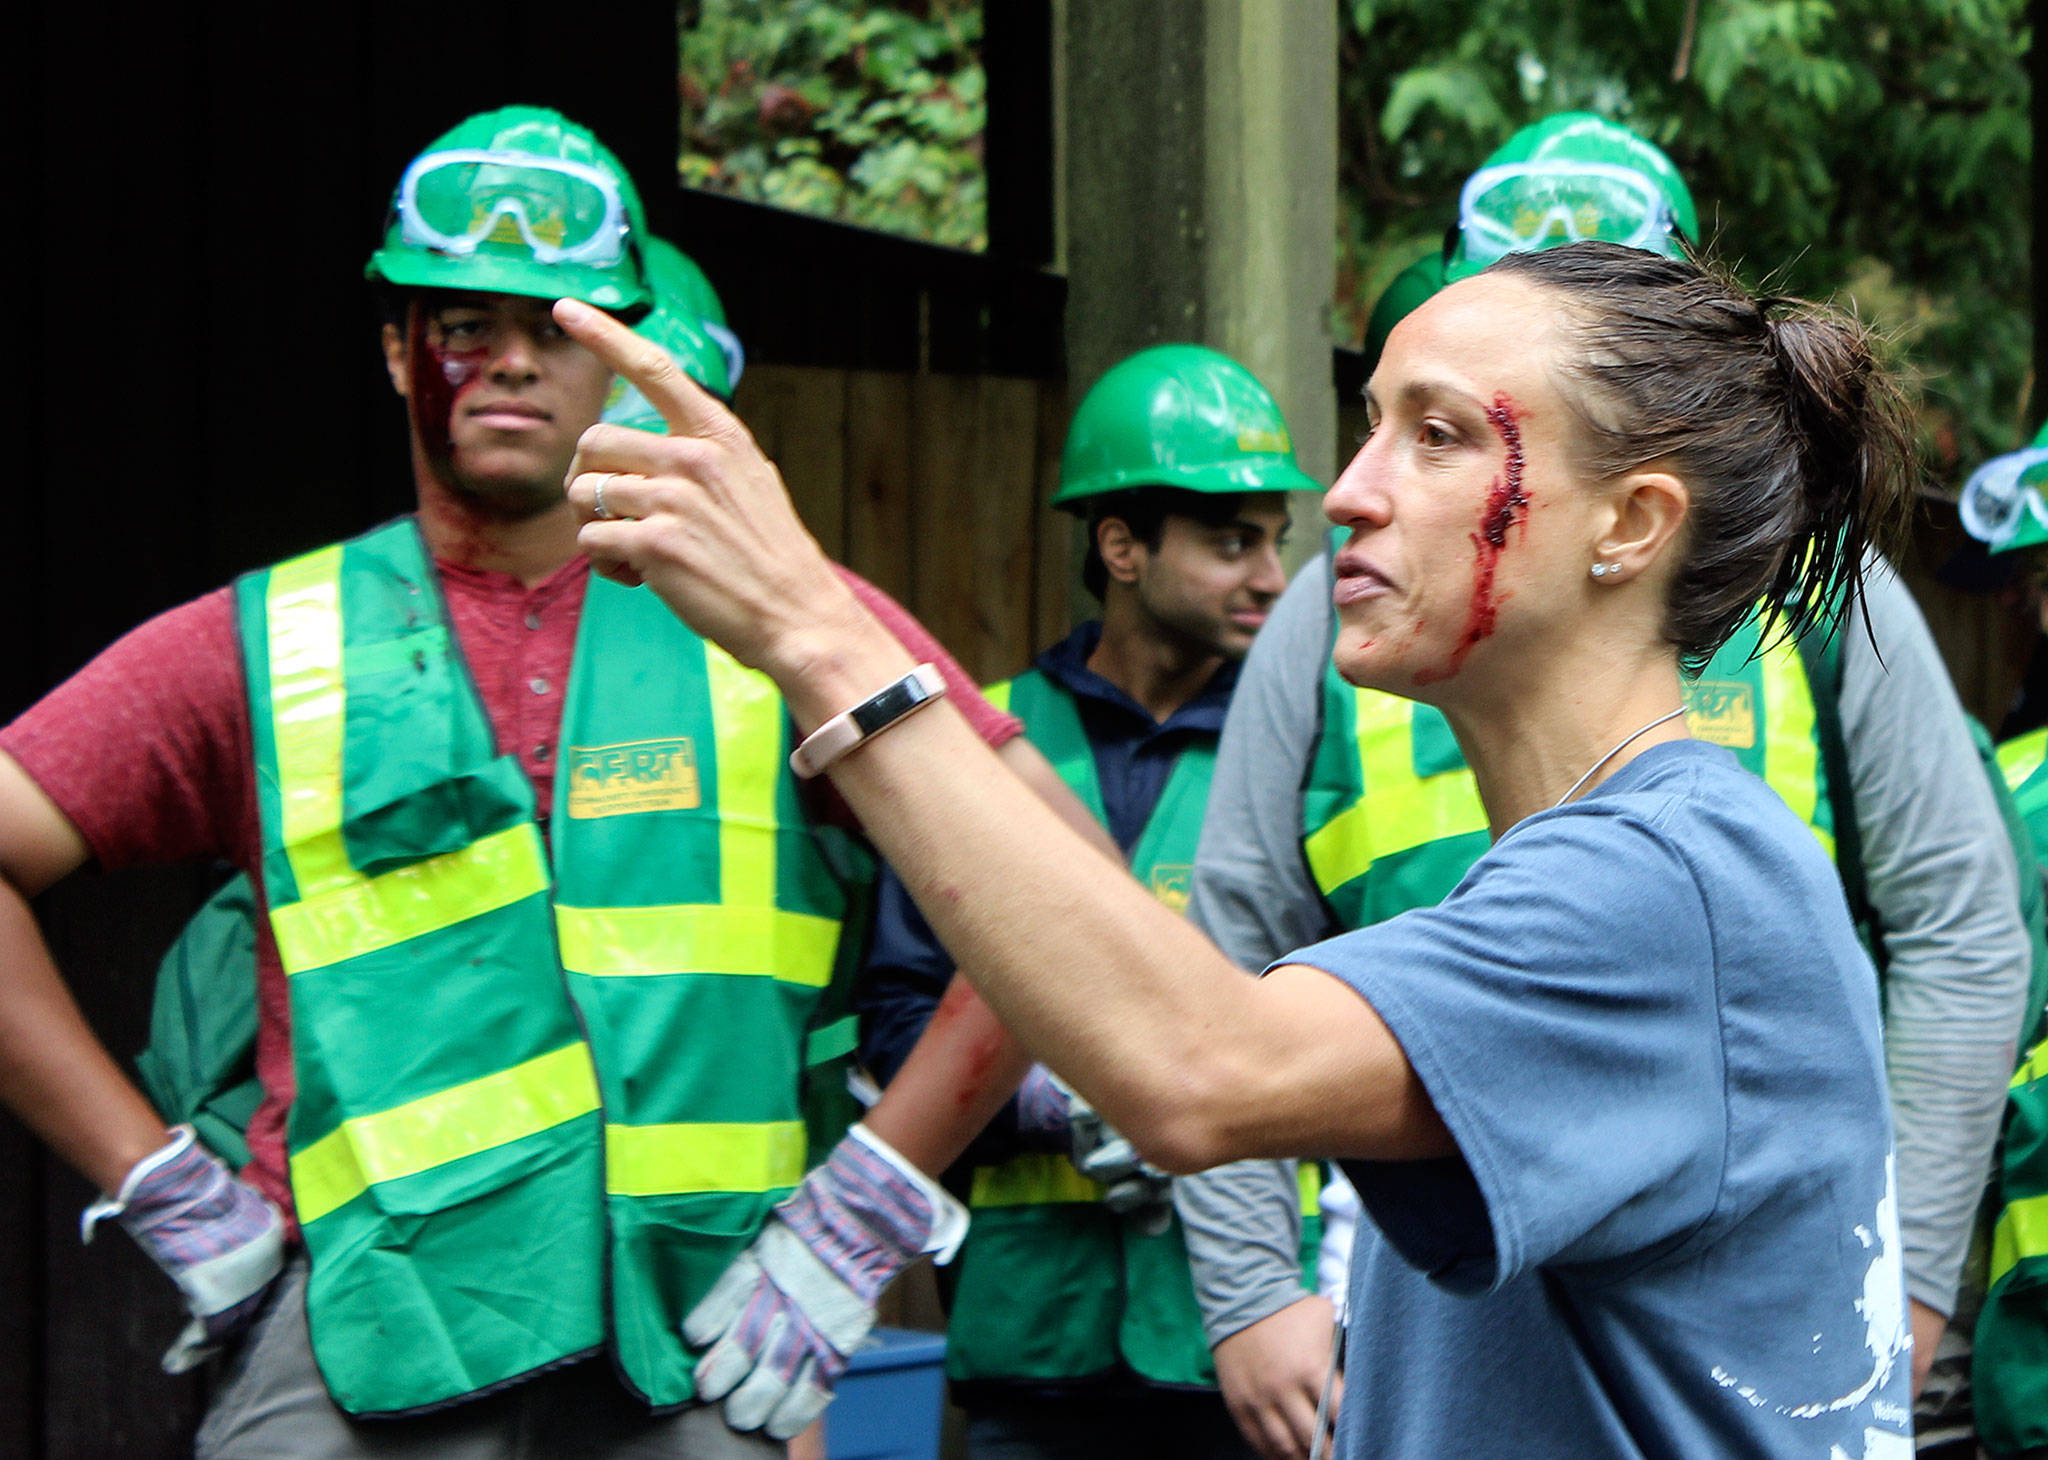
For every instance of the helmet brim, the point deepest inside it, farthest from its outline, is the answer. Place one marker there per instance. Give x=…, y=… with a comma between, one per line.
x=493, y=274
x=1251, y=473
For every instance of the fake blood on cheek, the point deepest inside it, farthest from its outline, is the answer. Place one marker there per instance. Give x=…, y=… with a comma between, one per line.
x=1507, y=506
x=438, y=377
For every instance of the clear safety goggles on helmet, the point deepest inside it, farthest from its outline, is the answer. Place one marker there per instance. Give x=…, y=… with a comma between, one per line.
x=1519, y=206
x=2002, y=492
x=563, y=211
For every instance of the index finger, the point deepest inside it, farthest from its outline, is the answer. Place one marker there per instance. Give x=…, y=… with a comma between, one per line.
x=688, y=408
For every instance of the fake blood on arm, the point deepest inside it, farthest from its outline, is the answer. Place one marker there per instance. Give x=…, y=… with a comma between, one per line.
x=1507, y=506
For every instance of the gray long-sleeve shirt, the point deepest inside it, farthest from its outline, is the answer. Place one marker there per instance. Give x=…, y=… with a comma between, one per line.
x=1939, y=873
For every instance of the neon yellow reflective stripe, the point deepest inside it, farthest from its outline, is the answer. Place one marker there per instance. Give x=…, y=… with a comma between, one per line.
x=2020, y=758
x=308, y=693
x=2022, y=1232
x=1399, y=809
x=747, y=726
x=445, y=1126
x=1791, y=749
x=1309, y=1185
x=999, y=696
x=368, y=913
x=676, y=1160
x=698, y=938
x=1039, y=1179
x=2034, y=1067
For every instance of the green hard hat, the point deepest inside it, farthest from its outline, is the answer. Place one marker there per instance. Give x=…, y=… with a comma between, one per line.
x=678, y=284
x=1410, y=289
x=681, y=289
x=1178, y=416
x=2005, y=501
x=517, y=201
x=1569, y=177
x=690, y=347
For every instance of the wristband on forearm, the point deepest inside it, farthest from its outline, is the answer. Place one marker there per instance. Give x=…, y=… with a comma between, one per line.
x=851, y=728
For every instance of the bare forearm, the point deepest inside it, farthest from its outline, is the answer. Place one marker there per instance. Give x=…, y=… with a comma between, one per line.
x=983, y=857
x=966, y=1064
x=954, y=1081
x=54, y=1073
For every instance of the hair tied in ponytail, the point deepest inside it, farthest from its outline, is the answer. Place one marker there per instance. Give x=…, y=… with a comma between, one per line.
x=1789, y=434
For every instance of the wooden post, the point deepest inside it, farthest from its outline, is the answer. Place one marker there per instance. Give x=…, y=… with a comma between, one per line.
x=1199, y=184
x=1270, y=216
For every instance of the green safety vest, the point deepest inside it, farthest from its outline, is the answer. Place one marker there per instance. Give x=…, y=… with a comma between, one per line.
x=542, y=1102
x=200, y=1066
x=1391, y=818
x=2009, y=1366
x=1050, y=1284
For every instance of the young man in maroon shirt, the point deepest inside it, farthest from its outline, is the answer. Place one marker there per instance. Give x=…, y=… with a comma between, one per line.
x=497, y=397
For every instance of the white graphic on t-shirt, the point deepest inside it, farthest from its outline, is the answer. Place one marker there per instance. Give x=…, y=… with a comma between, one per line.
x=1886, y=1335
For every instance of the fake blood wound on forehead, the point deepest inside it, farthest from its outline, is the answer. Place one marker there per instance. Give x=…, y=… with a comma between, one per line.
x=438, y=377
x=1507, y=505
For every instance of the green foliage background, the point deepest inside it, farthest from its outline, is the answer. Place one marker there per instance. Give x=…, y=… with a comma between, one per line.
x=863, y=111
x=1871, y=151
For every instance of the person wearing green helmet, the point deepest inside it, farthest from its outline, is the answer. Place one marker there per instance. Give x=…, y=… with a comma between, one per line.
x=2005, y=505
x=1072, y=1326
x=685, y=290
x=679, y=324
x=1570, y=177
x=1399, y=299
x=511, y=844
x=1883, y=761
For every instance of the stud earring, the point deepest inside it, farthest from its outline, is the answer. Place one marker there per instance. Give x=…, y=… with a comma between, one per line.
x=1601, y=570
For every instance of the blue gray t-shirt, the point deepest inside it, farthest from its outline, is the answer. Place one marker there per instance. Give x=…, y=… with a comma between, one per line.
x=1649, y=1027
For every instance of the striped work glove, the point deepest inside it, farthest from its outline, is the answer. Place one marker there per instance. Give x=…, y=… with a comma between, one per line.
x=781, y=1322
x=1132, y=1186
x=218, y=1240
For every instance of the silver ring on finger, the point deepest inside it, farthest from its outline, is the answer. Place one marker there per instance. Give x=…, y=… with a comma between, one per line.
x=598, y=493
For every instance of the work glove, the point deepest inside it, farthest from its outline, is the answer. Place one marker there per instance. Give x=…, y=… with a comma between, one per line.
x=217, y=1239
x=780, y=1323
x=1132, y=1187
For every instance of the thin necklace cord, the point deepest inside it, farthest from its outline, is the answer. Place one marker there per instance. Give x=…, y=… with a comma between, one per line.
x=1627, y=741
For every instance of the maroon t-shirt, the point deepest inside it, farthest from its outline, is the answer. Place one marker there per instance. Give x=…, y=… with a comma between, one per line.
x=147, y=750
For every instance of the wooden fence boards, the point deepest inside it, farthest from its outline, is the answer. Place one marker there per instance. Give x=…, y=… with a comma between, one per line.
x=1058, y=564
x=878, y=517
x=1003, y=523
x=943, y=427
x=930, y=487
x=798, y=414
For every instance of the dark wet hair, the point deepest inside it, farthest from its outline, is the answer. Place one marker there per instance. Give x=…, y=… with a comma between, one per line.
x=1775, y=412
x=1144, y=511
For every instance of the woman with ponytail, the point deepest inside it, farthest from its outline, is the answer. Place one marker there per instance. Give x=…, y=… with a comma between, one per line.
x=1617, y=1106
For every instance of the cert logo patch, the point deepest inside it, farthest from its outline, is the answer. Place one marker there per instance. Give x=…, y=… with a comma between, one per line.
x=640, y=775
x=1722, y=712
x=1174, y=886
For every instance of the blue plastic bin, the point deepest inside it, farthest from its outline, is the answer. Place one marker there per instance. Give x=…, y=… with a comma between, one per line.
x=890, y=1400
